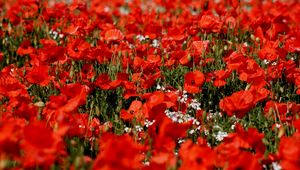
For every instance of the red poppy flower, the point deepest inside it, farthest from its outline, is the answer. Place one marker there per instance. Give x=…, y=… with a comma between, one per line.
x=103, y=81
x=252, y=73
x=135, y=110
x=138, y=62
x=193, y=81
x=174, y=34
x=271, y=51
x=40, y=145
x=238, y=143
x=210, y=23
x=122, y=78
x=153, y=31
x=26, y=110
x=76, y=95
x=10, y=86
x=196, y=156
x=156, y=112
x=234, y=3
x=71, y=30
x=155, y=59
x=161, y=159
x=39, y=75
x=169, y=129
x=239, y=103
x=118, y=152
x=235, y=60
x=78, y=48
x=10, y=136
x=292, y=44
x=282, y=109
x=156, y=98
x=296, y=124
x=251, y=136
x=149, y=80
x=51, y=52
x=199, y=47
x=25, y=48
x=289, y=152
x=244, y=160
x=220, y=77
x=113, y=35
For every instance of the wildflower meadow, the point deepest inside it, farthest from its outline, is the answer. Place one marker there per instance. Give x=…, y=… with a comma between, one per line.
x=150, y=84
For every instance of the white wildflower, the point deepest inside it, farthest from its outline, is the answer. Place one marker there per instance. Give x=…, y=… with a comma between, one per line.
x=138, y=128
x=123, y=10
x=146, y=163
x=206, y=132
x=81, y=126
x=127, y=129
x=149, y=123
x=183, y=98
x=140, y=37
x=220, y=135
x=232, y=127
x=276, y=166
x=106, y=9
x=155, y=43
x=195, y=104
x=192, y=131
x=196, y=122
x=180, y=141
x=159, y=87
x=178, y=117
x=277, y=125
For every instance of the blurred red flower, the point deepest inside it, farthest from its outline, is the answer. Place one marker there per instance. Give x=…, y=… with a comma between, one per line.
x=103, y=81
x=245, y=146
x=289, y=152
x=118, y=152
x=292, y=44
x=25, y=48
x=41, y=146
x=76, y=95
x=39, y=75
x=196, y=156
x=113, y=35
x=210, y=23
x=10, y=137
x=77, y=49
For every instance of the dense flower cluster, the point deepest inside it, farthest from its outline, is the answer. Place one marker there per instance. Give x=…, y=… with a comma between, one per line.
x=152, y=84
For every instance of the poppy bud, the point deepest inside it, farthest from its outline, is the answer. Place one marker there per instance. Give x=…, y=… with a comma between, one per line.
x=39, y=104
x=281, y=132
x=257, y=39
x=225, y=47
x=214, y=48
x=73, y=143
x=167, y=56
x=189, y=57
x=252, y=37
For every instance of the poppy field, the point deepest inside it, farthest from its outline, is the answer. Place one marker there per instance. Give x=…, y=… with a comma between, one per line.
x=150, y=84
